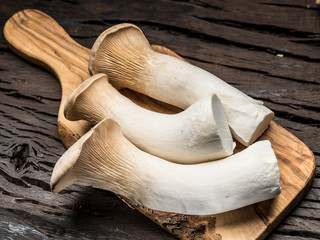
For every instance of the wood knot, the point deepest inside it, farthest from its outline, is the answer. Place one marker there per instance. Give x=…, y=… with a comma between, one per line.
x=21, y=157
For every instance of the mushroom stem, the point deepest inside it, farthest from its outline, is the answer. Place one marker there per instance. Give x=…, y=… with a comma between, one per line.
x=198, y=134
x=125, y=55
x=104, y=158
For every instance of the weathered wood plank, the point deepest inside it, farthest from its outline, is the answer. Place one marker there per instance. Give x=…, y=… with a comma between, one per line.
x=279, y=236
x=300, y=226
x=187, y=22
x=279, y=16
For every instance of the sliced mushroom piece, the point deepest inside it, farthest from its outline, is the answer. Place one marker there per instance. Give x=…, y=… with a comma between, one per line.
x=103, y=158
x=199, y=133
x=125, y=55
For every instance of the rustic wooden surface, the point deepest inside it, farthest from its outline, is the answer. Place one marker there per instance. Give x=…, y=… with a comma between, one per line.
x=229, y=39
x=38, y=38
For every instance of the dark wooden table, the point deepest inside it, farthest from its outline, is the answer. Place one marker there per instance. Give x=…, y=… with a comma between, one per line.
x=270, y=49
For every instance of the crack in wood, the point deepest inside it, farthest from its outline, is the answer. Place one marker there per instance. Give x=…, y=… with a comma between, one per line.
x=37, y=182
x=307, y=6
x=291, y=105
x=301, y=233
x=198, y=3
x=19, y=156
x=296, y=118
x=18, y=95
x=261, y=28
x=261, y=215
x=40, y=132
x=93, y=22
x=14, y=180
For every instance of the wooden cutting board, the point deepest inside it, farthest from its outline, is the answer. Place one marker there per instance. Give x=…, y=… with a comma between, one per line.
x=39, y=39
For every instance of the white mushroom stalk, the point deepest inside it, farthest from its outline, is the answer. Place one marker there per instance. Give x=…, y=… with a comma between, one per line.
x=105, y=159
x=125, y=55
x=199, y=133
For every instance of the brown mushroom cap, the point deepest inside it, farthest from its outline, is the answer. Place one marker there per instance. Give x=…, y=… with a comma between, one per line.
x=96, y=159
x=66, y=163
x=120, y=46
x=72, y=106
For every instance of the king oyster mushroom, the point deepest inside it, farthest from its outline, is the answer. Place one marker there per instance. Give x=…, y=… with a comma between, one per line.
x=104, y=158
x=125, y=55
x=199, y=133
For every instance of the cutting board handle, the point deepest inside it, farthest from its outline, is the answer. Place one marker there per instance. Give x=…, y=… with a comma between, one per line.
x=38, y=38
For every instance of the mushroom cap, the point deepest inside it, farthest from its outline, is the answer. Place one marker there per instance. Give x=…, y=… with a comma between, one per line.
x=69, y=110
x=97, y=158
x=122, y=52
x=66, y=162
x=116, y=35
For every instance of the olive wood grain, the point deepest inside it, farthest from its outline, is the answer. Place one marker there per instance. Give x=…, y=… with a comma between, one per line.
x=39, y=39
